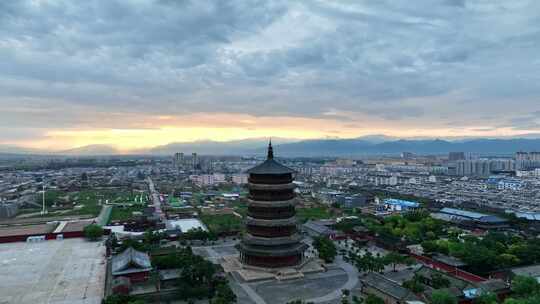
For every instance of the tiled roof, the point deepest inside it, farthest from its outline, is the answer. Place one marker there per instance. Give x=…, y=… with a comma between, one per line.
x=389, y=287
x=130, y=261
x=270, y=166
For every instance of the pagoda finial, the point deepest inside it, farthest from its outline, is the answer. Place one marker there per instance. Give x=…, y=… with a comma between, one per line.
x=270, y=150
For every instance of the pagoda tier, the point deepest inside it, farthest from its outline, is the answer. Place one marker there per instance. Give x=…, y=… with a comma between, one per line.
x=271, y=238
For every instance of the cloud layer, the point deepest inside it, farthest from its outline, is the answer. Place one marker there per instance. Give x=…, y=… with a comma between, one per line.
x=360, y=66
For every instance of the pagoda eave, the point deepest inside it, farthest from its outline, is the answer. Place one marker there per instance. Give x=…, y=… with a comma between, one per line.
x=284, y=203
x=288, y=250
x=271, y=187
x=271, y=223
x=249, y=239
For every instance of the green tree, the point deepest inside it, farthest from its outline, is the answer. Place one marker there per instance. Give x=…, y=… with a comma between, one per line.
x=439, y=281
x=152, y=237
x=326, y=248
x=486, y=298
x=415, y=284
x=372, y=299
x=507, y=260
x=93, y=232
x=515, y=301
x=442, y=297
x=430, y=247
x=122, y=299
x=394, y=259
x=367, y=262
x=224, y=294
x=524, y=286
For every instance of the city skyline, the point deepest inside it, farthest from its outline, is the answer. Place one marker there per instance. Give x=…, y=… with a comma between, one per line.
x=138, y=74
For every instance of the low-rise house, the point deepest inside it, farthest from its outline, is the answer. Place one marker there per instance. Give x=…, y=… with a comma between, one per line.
x=320, y=228
x=532, y=271
x=132, y=264
x=168, y=278
x=386, y=289
x=463, y=290
x=469, y=219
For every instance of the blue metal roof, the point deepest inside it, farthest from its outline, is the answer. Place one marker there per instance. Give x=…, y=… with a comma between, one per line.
x=528, y=215
x=473, y=215
x=404, y=203
x=465, y=213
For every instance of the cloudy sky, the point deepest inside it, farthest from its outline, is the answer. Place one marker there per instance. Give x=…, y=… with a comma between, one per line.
x=139, y=73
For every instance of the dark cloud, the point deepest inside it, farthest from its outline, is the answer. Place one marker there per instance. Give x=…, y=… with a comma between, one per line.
x=530, y=121
x=388, y=59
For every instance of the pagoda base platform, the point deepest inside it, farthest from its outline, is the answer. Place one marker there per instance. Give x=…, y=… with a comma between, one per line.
x=247, y=273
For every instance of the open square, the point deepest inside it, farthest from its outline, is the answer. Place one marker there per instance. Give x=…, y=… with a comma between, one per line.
x=71, y=271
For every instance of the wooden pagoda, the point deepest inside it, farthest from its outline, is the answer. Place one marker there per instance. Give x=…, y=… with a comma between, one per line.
x=271, y=239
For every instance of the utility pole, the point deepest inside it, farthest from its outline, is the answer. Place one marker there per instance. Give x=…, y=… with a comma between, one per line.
x=44, y=210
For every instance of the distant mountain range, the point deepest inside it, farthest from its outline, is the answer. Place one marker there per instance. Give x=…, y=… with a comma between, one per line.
x=355, y=147
x=215, y=147
x=8, y=149
x=368, y=145
x=91, y=150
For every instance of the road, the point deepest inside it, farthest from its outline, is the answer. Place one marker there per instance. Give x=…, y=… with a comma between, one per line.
x=155, y=199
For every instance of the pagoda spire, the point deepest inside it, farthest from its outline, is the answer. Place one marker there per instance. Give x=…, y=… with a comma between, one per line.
x=270, y=150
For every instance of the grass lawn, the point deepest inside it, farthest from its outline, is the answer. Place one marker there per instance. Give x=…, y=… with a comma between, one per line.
x=240, y=208
x=120, y=213
x=130, y=197
x=222, y=222
x=51, y=196
x=317, y=213
x=175, y=201
x=91, y=200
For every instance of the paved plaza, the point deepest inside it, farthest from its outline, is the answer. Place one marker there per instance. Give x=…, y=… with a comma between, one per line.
x=70, y=271
x=309, y=287
x=321, y=287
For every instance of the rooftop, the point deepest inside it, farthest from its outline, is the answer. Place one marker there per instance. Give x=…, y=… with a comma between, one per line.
x=449, y=260
x=399, y=202
x=472, y=215
x=185, y=225
x=270, y=166
x=388, y=287
x=27, y=229
x=130, y=261
x=529, y=271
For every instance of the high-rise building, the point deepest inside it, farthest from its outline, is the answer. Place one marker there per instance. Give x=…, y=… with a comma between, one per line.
x=455, y=156
x=178, y=160
x=271, y=239
x=522, y=156
x=527, y=160
x=407, y=155
x=483, y=167
x=194, y=161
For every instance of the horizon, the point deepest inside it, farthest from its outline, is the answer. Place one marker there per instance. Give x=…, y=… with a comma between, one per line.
x=252, y=145
x=141, y=74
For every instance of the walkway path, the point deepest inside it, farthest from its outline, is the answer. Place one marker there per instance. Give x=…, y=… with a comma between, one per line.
x=252, y=294
x=104, y=215
x=352, y=281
